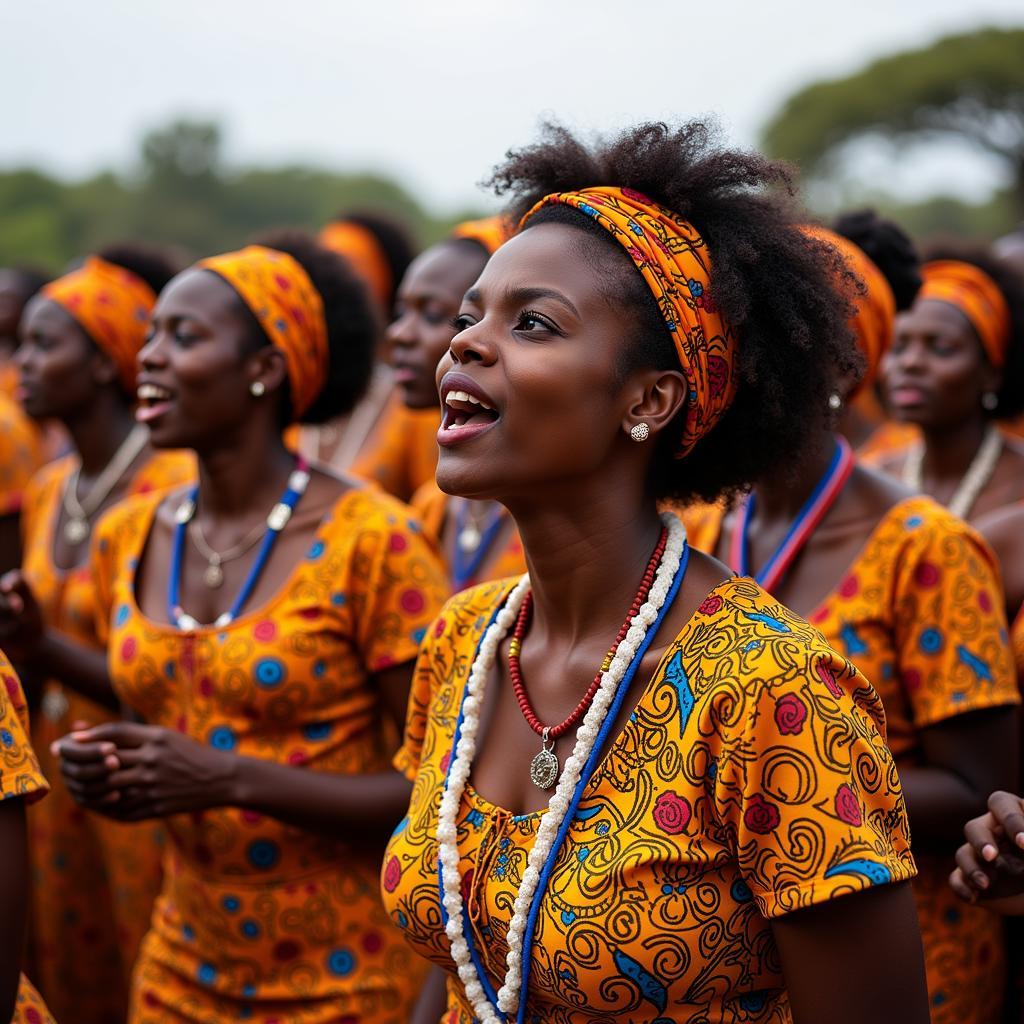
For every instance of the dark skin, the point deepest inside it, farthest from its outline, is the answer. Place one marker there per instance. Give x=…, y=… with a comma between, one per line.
x=1004, y=530
x=65, y=377
x=13, y=900
x=990, y=864
x=428, y=301
x=962, y=759
x=935, y=375
x=543, y=343
x=198, y=353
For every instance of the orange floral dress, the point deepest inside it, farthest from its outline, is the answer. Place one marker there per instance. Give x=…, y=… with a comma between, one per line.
x=258, y=919
x=21, y=453
x=751, y=780
x=93, y=880
x=401, y=454
x=920, y=613
x=509, y=560
x=20, y=779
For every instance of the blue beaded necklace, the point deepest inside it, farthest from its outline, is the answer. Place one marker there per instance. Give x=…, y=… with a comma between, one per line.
x=584, y=780
x=279, y=516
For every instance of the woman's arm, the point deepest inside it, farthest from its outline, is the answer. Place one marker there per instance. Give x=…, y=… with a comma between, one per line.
x=963, y=759
x=433, y=1000
x=13, y=900
x=822, y=949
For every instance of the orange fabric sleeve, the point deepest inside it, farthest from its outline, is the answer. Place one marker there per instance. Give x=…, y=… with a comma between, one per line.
x=20, y=775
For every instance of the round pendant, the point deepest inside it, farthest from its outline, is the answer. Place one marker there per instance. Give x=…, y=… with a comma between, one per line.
x=469, y=539
x=54, y=704
x=213, y=576
x=76, y=531
x=544, y=770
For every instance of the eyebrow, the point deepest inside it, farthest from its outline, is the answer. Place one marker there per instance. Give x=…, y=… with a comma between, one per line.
x=519, y=295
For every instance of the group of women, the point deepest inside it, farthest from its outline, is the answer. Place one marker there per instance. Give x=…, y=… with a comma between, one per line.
x=550, y=626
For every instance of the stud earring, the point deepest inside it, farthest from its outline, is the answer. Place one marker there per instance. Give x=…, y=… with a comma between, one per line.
x=257, y=389
x=989, y=400
x=640, y=432
x=835, y=401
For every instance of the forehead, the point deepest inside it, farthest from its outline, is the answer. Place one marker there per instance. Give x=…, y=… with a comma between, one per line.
x=933, y=316
x=201, y=295
x=445, y=269
x=43, y=314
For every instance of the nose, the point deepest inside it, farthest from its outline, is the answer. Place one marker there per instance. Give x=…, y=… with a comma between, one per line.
x=402, y=331
x=473, y=345
x=152, y=355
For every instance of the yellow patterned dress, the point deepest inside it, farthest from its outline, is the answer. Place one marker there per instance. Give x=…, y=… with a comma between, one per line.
x=20, y=779
x=257, y=919
x=920, y=613
x=751, y=780
x=21, y=454
x=93, y=880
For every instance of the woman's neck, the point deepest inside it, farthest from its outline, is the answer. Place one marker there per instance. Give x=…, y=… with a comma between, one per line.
x=99, y=433
x=781, y=498
x=948, y=453
x=237, y=480
x=586, y=557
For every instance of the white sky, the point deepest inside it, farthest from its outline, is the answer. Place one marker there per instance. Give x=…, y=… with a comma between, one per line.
x=434, y=93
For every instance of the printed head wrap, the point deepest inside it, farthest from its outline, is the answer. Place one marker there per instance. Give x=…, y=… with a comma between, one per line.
x=283, y=299
x=491, y=232
x=977, y=296
x=875, y=315
x=675, y=265
x=359, y=247
x=112, y=305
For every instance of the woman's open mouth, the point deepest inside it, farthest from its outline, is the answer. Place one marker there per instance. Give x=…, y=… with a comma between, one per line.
x=153, y=402
x=465, y=415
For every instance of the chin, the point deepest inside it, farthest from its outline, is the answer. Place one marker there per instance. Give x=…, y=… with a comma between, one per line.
x=466, y=478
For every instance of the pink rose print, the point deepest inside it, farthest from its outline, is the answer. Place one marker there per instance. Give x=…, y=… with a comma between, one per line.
x=848, y=806
x=672, y=813
x=392, y=875
x=826, y=675
x=761, y=816
x=718, y=374
x=926, y=575
x=710, y=605
x=790, y=714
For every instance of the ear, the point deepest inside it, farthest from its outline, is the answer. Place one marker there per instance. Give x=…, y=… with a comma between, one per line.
x=658, y=397
x=269, y=366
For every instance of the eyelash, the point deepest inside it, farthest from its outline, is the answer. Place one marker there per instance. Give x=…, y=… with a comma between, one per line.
x=462, y=322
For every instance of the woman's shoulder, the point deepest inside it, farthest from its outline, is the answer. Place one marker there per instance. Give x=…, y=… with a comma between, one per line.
x=127, y=519
x=49, y=479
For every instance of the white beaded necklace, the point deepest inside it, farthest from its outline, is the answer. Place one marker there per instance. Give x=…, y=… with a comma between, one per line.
x=551, y=820
x=978, y=474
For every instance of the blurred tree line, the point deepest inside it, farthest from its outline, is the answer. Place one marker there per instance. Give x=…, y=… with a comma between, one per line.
x=184, y=196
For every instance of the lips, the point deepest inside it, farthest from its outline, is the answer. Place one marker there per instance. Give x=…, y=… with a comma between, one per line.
x=153, y=401
x=467, y=409
x=904, y=396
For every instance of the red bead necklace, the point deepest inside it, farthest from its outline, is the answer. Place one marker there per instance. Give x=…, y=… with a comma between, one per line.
x=545, y=766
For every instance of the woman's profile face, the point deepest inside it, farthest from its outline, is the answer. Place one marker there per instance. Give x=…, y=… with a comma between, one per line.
x=540, y=349
x=935, y=371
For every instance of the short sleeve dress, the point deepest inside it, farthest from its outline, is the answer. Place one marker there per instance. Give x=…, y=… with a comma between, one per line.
x=920, y=613
x=94, y=880
x=20, y=779
x=22, y=452
x=258, y=919
x=750, y=781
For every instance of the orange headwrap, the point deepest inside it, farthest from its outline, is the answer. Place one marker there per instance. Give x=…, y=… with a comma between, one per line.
x=112, y=305
x=977, y=296
x=873, y=321
x=676, y=267
x=360, y=248
x=281, y=296
x=490, y=232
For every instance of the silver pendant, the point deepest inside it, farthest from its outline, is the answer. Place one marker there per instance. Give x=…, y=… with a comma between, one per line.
x=54, y=704
x=544, y=767
x=76, y=531
x=469, y=538
x=213, y=576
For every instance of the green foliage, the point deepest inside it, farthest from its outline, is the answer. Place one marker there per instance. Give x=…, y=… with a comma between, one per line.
x=183, y=196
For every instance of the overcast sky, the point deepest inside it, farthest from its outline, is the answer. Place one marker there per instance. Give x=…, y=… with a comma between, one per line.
x=434, y=93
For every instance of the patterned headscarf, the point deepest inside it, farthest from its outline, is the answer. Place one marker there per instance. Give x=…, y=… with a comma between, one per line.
x=359, y=247
x=283, y=299
x=875, y=315
x=112, y=305
x=490, y=232
x=674, y=262
x=977, y=296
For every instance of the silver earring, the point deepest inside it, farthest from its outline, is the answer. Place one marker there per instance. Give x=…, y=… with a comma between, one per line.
x=989, y=400
x=257, y=389
x=835, y=401
x=640, y=432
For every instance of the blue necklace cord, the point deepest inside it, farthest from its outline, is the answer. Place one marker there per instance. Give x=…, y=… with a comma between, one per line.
x=581, y=785
x=297, y=481
x=465, y=569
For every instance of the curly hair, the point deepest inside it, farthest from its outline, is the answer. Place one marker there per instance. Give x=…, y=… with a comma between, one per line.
x=775, y=286
x=393, y=238
x=153, y=265
x=351, y=325
x=889, y=248
x=1011, y=395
